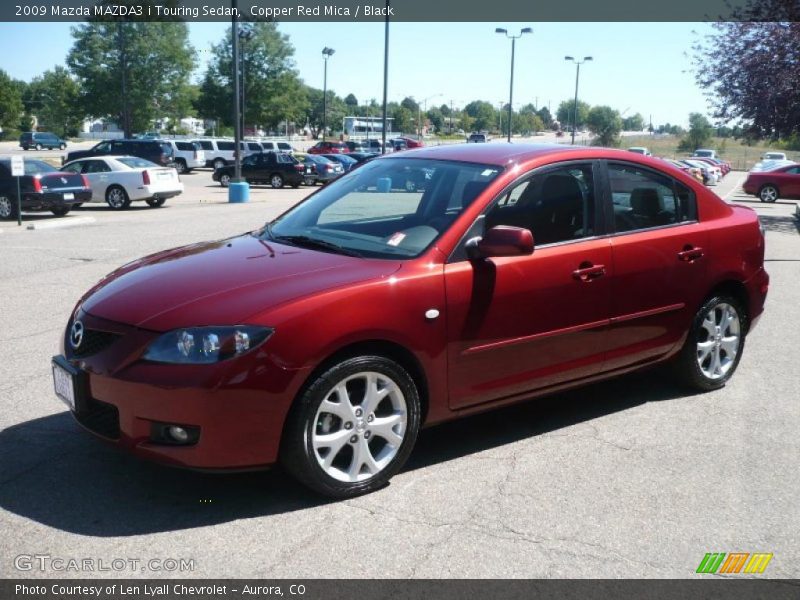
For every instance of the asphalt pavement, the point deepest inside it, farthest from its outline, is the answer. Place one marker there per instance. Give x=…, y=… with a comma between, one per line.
x=628, y=478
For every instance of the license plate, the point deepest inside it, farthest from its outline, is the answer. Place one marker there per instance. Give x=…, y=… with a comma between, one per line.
x=64, y=386
x=165, y=175
x=308, y=170
x=69, y=196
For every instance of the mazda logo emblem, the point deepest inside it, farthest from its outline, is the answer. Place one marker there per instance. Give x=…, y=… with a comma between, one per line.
x=76, y=335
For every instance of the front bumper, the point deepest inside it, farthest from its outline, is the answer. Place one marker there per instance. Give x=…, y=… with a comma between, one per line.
x=239, y=405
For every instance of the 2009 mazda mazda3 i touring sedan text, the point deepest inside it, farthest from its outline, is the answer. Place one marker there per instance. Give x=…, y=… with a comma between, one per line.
x=327, y=338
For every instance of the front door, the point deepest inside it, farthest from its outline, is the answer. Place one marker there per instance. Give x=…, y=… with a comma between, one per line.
x=519, y=324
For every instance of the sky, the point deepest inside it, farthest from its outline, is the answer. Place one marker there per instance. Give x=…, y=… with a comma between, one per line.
x=637, y=67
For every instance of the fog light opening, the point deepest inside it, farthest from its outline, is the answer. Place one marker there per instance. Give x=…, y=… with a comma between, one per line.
x=179, y=434
x=171, y=434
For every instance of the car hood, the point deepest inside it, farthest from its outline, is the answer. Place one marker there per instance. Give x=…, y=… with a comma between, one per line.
x=222, y=283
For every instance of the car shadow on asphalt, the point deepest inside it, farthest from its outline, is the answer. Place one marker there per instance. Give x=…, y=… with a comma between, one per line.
x=781, y=224
x=53, y=473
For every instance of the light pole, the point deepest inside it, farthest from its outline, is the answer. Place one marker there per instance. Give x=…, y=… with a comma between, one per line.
x=578, y=64
x=245, y=34
x=385, y=78
x=419, y=113
x=326, y=54
x=237, y=131
x=514, y=39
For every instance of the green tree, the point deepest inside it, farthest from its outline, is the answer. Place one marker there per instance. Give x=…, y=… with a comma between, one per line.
x=314, y=111
x=545, y=116
x=155, y=59
x=273, y=91
x=55, y=99
x=411, y=104
x=699, y=134
x=10, y=103
x=605, y=123
x=436, y=118
x=564, y=114
x=482, y=114
x=633, y=123
x=352, y=103
x=405, y=120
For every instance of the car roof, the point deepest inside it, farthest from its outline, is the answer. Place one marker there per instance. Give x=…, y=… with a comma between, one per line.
x=502, y=153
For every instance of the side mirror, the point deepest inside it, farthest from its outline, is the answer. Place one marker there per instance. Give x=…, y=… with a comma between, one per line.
x=501, y=240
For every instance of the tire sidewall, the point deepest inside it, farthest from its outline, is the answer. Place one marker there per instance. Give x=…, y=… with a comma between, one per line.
x=761, y=191
x=297, y=451
x=274, y=178
x=691, y=371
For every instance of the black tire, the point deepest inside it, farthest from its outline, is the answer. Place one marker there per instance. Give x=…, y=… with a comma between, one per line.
x=155, y=202
x=295, y=185
x=276, y=181
x=225, y=180
x=309, y=181
x=180, y=166
x=61, y=211
x=117, y=198
x=687, y=366
x=297, y=454
x=8, y=207
x=768, y=193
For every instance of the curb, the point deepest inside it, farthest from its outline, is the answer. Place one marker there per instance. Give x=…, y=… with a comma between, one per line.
x=61, y=223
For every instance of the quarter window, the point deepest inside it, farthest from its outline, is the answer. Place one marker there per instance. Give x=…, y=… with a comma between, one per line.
x=643, y=199
x=556, y=206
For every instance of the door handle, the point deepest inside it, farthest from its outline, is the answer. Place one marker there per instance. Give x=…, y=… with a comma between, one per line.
x=587, y=272
x=690, y=253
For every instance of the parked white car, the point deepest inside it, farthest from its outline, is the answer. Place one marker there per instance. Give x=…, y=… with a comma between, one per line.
x=705, y=153
x=187, y=155
x=219, y=152
x=120, y=180
x=640, y=150
x=774, y=156
x=270, y=146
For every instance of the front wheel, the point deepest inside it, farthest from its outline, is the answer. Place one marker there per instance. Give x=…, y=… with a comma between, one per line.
x=117, y=198
x=38, y=146
x=8, y=207
x=62, y=147
x=155, y=202
x=224, y=180
x=714, y=345
x=276, y=181
x=61, y=211
x=353, y=428
x=768, y=193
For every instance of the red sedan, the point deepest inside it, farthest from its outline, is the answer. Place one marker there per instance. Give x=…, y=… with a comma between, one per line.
x=783, y=182
x=329, y=148
x=327, y=338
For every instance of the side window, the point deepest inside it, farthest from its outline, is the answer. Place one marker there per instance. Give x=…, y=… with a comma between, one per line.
x=103, y=148
x=226, y=146
x=793, y=171
x=206, y=145
x=96, y=166
x=643, y=199
x=73, y=168
x=122, y=148
x=556, y=206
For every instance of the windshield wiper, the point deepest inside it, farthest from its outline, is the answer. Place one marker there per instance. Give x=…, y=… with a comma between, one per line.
x=309, y=242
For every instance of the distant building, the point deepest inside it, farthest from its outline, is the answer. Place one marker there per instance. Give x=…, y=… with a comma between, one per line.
x=363, y=127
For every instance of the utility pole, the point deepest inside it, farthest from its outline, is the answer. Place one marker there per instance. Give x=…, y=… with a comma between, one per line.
x=123, y=60
x=385, y=75
x=237, y=132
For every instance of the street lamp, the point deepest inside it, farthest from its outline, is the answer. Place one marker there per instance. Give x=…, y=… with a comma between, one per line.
x=514, y=39
x=245, y=34
x=326, y=54
x=419, y=113
x=578, y=64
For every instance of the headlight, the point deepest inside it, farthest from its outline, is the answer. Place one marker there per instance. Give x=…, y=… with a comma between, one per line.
x=205, y=345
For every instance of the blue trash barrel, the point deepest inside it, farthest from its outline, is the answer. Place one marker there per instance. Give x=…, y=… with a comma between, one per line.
x=239, y=192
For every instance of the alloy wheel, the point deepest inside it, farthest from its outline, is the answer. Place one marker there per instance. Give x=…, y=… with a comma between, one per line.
x=276, y=181
x=225, y=180
x=359, y=427
x=116, y=198
x=768, y=194
x=718, y=341
x=6, y=209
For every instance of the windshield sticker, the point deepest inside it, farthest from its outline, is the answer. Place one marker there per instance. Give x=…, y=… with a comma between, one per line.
x=396, y=239
x=488, y=172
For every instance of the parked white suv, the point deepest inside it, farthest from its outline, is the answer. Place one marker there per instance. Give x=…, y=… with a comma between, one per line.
x=219, y=152
x=187, y=155
x=270, y=146
x=704, y=153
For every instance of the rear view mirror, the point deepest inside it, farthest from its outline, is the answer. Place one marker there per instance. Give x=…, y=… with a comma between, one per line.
x=501, y=240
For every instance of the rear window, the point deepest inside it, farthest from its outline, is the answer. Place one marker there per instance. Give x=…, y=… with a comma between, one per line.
x=226, y=145
x=254, y=147
x=166, y=149
x=285, y=158
x=32, y=167
x=185, y=146
x=284, y=146
x=136, y=163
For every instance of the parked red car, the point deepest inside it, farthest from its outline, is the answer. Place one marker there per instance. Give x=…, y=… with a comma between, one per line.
x=329, y=148
x=412, y=142
x=783, y=182
x=327, y=338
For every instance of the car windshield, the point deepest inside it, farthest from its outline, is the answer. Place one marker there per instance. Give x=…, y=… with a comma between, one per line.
x=136, y=163
x=389, y=208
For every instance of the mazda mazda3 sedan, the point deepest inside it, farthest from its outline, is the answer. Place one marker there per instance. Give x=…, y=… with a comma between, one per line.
x=325, y=339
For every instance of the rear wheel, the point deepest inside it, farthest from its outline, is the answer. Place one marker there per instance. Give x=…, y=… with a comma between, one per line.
x=8, y=207
x=224, y=180
x=155, y=202
x=61, y=210
x=353, y=428
x=62, y=147
x=180, y=166
x=768, y=193
x=38, y=146
x=117, y=198
x=276, y=181
x=714, y=345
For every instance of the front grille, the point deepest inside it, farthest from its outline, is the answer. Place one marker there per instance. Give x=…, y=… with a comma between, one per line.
x=101, y=418
x=93, y=341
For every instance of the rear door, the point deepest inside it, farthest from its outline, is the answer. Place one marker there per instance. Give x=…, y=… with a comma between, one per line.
x=659, y=257
x=97, y=171
x=518, y=324
x=789, y=185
